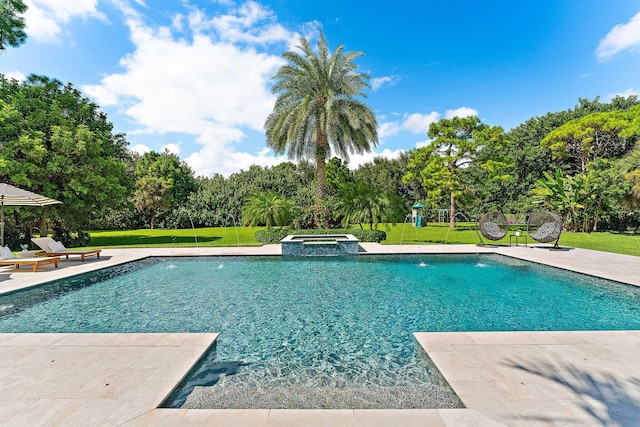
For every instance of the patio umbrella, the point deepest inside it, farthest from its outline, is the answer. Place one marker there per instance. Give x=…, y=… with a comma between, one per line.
x=14, y=196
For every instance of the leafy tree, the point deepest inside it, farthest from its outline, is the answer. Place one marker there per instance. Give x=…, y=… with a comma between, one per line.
x=604, y=188
x=152, y=195
x=440, y=165
x=11, y=23
x=177, y=175
x=490, y=174
x=268, y=208
x=386, y=175
x=592, y=137
x=583, y=199
x=57, y=143
x=316, y=112
x=218, y=201
x=337, y=173
x=178, y=178
x=530, y=158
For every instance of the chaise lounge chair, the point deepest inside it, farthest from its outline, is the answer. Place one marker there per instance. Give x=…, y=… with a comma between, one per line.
x=52, y=248
x=7, y=258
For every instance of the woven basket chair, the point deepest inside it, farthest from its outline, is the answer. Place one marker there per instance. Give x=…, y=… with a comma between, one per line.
x=545, y=227
x=492, y=226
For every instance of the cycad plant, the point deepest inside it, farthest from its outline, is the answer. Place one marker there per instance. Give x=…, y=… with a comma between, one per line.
x=360, y=203
x=316, y=114
x=268, y=208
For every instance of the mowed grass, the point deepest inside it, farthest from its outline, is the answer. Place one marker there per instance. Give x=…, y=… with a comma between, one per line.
x=465, y=233
x=433, y=233
x=146, y=238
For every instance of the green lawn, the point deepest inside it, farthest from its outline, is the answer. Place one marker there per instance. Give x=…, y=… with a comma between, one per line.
x=433, y=233
x=214, y=236
x=621, y=243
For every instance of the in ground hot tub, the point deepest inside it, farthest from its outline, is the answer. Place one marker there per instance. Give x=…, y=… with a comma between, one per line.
x=319, y=245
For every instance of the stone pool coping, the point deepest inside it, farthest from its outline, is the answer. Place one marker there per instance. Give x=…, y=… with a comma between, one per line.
x=504, y=378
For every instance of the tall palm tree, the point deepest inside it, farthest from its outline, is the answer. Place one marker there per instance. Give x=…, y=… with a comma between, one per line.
x=316, y=114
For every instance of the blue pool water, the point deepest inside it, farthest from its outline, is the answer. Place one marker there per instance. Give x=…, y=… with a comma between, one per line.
x=318, y=324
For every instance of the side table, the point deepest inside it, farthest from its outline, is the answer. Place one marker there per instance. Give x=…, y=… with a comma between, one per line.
x=517, y=237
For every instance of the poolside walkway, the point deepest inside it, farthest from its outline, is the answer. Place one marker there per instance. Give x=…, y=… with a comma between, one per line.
x=504, y=378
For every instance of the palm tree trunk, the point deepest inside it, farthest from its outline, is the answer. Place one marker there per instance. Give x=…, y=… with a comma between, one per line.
x=320, y=167
x=452, y=212
x=321, y=157
x=43, y=223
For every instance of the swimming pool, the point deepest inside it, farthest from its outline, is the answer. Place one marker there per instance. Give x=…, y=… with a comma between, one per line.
x=317, y=325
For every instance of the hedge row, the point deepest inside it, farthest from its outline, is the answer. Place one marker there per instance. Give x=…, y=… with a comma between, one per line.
x=275, y=235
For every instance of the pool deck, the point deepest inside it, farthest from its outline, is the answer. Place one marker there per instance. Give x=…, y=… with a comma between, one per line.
x=503, y=378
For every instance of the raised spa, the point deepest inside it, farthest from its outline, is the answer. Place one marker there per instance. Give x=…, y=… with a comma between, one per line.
x=319, y=245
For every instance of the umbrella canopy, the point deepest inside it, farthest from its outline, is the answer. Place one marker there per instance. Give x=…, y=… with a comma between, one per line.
x=14, y=196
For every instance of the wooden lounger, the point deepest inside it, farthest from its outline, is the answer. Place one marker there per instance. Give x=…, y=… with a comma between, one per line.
x=52, y=248
x=68, y=252
x=32, y=261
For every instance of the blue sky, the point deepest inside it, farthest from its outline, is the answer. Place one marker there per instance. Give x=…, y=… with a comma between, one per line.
x=193, y=76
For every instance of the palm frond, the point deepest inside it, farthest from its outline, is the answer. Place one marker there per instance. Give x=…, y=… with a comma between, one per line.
x=316, y=112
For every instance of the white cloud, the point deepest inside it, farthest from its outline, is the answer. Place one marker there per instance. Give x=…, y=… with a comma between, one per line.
x=172, y=148
x=424, y=143
x=15, y=75
x=171, y=86
x=415, y=123
x=245, y=24
x=225, y=160
x=102, y=94
x=621, y=37
x=461, y=112
x=378, y=82
x=357, y=160
x=45, y=19
x=177, y=22
x=419, y=123
x=215, y=87
x=388, y=129
x=140, y=149
x=625, y=94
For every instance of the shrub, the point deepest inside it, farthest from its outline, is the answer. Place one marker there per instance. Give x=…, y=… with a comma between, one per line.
x=271, y=236
x=274, y=236
x=15, y=237
x=71, y=239
x=315, y=217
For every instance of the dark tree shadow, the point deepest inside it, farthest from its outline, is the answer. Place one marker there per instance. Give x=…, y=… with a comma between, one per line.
x=620, y=408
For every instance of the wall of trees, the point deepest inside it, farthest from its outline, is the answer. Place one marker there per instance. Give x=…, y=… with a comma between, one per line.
x=583, y=162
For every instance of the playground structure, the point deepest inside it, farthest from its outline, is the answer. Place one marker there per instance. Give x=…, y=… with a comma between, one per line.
x=420, y=216
x=443, y=215
x=416, y=215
